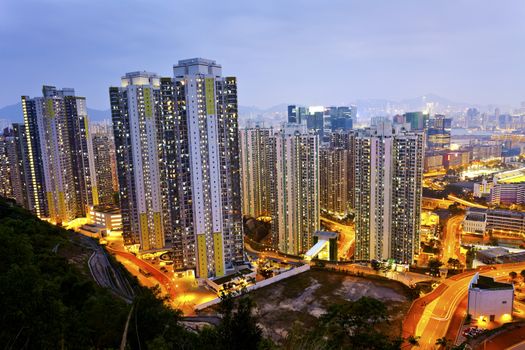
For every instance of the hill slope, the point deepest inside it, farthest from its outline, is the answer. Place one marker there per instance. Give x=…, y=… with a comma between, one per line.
x=48, y=299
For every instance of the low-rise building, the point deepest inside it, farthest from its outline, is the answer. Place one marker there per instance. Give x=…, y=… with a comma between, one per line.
x=509, y=222
x=508, y=193
x=486, y=151
x=433, y=162
x=482, y=189
x=506, y=221
x=106, y=216
x=454, y=159
x=233, y=282
x=492, y=255
x=475, y=222
x=499, y=255
x=429, y=226
x=490, y=301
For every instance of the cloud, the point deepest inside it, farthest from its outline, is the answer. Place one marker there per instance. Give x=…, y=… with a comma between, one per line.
x=311, y=51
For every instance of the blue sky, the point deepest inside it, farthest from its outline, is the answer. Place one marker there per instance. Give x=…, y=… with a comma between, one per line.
x=314, y=52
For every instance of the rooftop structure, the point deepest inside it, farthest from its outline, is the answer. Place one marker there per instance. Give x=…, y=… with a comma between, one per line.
x=489, y=300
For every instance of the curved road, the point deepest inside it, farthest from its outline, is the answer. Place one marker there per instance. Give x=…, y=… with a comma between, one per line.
x=451, y=238
x=345, y=243
x=155, y=273
x=437, y=315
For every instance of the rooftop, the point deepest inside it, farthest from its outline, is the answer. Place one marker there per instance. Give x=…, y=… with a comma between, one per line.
x=493, y=252
x=108, y=209
x=475, y=217
x=225, y=279
x=488, y=283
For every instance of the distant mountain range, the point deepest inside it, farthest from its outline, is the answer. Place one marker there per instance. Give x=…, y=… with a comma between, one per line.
x=13, y=113
x=274, y=115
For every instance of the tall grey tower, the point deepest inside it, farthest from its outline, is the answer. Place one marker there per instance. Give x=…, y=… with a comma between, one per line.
x=138, y=134
x=295, y=212
x=203, y=166
x=62, y=181
x=388, y=189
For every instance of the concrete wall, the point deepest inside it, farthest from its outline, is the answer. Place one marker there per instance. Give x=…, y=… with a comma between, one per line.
x=257, y=285
x=472, y=226
x=483, y=302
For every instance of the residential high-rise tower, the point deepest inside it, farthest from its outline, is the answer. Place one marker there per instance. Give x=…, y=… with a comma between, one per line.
x=203, y=137
x=138, y=134
x=62, y=181
x=388, y=189
x=295, y=216
x=257, y=169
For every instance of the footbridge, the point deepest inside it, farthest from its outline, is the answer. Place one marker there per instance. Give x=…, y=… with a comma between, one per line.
x=325, y=247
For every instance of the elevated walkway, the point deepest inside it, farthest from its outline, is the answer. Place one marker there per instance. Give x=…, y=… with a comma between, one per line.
x=316, y=249
x=324, y=247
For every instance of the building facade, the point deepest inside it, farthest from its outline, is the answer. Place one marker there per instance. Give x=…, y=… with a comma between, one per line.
x=475, y=222
x=177, y=151
x=15, y=166
x=205, y=125
x=438, y=133
x=138, y=134
x=296, y=213
x=507, y=193
x=506, y=222
x=257, y=169
x=62, y=181
x=333, y=178
x=388, y=191
x=6, y=187
x=489, y=300
x=105, y=165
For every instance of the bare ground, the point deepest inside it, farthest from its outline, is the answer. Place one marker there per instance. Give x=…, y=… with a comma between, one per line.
x=301, y=299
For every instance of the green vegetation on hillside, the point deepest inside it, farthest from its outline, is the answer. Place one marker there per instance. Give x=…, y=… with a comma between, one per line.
x=351, y=325
x=49, y=301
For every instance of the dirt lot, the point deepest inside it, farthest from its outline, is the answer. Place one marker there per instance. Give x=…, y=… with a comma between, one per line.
x=303, y=298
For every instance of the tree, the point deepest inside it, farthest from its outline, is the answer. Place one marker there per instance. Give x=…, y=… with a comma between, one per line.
x=471, y=254
x=238, y=328
x=414, y=341
x=454, y=263
x=443, y=342
x=434, y=265
x=353, y=325
x=513, y=275
x=376, y=265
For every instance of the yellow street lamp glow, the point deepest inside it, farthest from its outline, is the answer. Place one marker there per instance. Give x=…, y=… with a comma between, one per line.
x=506, y=318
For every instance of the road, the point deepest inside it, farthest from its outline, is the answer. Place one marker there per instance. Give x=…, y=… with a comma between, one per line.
x=107, y=276
x=465, y=202
x=158, y=275
x=345, y=243
x=408, y=278
x=435, y=174
x=450, y=242
x=104, y=273
x=437, y=314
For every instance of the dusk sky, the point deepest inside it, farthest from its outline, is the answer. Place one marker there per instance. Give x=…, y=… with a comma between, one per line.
x=313, y=52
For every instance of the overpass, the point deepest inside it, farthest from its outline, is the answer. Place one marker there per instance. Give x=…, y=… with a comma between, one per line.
x=325, y=248
x=432, y=203
x=465, y=202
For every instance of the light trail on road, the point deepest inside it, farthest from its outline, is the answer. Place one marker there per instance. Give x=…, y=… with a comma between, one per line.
x=437, y=315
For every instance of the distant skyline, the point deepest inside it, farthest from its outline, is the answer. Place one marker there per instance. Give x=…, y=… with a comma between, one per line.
x=331, y=52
